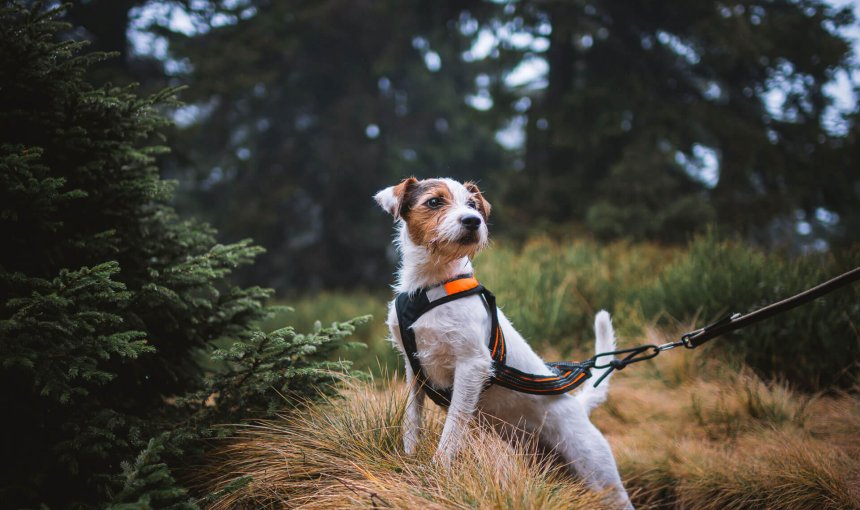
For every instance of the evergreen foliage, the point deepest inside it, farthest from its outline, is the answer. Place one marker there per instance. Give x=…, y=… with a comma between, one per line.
x=147, y=483
x=112, y=306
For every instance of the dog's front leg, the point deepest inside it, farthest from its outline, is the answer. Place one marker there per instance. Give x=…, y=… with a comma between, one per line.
x=470, y=375
x=414, y=408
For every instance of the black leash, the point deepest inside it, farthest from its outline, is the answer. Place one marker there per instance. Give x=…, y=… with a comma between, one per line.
x=725, y=325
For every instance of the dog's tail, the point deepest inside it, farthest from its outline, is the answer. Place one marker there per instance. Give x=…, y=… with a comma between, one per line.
x=590, y=397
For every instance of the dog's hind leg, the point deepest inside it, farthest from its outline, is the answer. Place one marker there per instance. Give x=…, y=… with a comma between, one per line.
x=584, y=449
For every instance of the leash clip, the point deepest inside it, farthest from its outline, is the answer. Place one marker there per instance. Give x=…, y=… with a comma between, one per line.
x=687, y=338
x=633, y=355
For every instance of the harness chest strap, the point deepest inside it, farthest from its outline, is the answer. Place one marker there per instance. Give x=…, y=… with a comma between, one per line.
x=410, y=307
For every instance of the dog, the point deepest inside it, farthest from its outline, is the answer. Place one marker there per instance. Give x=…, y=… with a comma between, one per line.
x=441, y=224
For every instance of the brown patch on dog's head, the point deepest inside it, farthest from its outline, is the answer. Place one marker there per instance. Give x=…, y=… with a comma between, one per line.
x=481, y=203
x=424, y=209
x=444, y=216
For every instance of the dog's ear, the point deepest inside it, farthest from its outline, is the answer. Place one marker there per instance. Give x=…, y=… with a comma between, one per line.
x=483, y=205
x=391, y=198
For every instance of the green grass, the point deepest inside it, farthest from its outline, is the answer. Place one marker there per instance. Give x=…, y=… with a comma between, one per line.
x=551, y=290
x=813, y=347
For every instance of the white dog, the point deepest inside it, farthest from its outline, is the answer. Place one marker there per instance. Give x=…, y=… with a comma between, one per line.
x=441, y=224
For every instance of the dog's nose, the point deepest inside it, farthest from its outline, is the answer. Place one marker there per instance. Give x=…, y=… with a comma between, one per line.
x=471, y=222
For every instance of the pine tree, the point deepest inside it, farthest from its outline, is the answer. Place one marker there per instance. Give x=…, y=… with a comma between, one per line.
x=147, y=483
x=112, y=305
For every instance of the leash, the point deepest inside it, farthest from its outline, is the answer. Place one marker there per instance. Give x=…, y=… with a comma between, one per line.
x=727, y=324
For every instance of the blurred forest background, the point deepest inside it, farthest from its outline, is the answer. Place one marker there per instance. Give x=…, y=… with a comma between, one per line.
x=667, y=160
x=646, y=120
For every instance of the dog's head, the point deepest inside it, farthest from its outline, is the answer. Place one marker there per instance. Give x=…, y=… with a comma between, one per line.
x=446, y=217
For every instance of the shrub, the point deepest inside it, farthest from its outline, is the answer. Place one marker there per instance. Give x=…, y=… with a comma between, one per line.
x=110, y=300
x=813, y=347
x=551, y=291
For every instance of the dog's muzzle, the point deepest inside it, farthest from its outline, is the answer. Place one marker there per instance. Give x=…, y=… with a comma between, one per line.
x=471, y=222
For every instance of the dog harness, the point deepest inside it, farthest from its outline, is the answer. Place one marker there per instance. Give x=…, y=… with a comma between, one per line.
x=410, y=306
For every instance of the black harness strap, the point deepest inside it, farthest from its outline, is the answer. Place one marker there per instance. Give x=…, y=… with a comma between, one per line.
x=409, y=307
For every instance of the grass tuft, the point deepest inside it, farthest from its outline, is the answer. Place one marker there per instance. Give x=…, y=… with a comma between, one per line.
x=346, y=453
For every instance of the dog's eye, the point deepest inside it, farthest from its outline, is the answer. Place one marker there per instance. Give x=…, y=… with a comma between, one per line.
x=472, y=204
x=434, y=203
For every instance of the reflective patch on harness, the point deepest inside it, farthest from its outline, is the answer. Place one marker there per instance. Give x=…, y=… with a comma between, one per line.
x=550, y=385
x=436, y=293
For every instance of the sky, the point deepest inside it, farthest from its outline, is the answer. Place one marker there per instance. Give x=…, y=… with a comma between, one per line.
x=841, y=89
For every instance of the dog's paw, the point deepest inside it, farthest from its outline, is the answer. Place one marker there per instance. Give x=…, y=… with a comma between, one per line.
x=409, y=447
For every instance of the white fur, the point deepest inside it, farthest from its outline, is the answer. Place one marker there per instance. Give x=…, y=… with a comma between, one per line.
x=452, y=344
x=388, y=200
x=590, y=397
x=451, y=228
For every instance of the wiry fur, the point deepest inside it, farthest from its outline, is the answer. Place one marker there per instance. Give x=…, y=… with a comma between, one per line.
x=590, y=397
x=452, y=340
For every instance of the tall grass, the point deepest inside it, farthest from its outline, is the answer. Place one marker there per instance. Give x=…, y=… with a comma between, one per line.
x=347, y=454
x=723, y=439
x=551, y=291
x=725, y=426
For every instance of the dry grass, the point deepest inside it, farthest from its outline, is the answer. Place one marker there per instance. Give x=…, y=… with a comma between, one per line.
x=723, y=439
x=346, y=454
x=687, y=433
